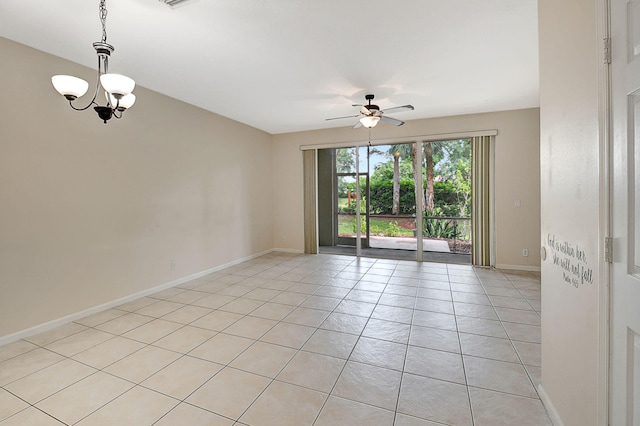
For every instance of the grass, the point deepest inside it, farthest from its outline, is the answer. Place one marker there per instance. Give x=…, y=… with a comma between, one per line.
x=376, y=226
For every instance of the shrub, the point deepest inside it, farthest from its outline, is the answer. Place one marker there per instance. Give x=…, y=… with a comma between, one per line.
x=376, y=230
x=440, y=228
x=446, y=198
x=393, y=230
x=363, y=225
x=381, y=194
x=351, y=209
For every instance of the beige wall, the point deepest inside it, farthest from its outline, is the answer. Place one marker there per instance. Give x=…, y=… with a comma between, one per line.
x=516, y=171
x=91, y=213
x=570, y=200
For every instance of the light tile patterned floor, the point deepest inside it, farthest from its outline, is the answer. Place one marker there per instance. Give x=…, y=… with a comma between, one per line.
x=294, y=340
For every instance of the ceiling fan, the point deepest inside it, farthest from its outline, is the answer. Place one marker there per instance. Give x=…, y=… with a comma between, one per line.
x=371, y=114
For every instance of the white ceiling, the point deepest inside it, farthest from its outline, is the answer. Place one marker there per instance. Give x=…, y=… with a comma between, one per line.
x=286, y=65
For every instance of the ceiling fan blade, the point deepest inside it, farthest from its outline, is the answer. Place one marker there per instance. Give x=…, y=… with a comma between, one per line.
x=399, y=108
x=390, y=120
x=364, y=110
x=340, y=118
x=358, y=125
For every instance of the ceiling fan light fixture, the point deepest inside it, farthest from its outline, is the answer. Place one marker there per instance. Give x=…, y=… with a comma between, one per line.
x=370, y=114
x=369, y=121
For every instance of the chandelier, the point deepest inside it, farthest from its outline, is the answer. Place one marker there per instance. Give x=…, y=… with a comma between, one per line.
x=117, y=88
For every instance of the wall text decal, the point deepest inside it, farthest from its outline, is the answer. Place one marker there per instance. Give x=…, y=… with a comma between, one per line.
x=572, y=260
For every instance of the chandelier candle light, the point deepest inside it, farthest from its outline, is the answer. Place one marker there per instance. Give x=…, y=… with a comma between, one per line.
x=117, y=88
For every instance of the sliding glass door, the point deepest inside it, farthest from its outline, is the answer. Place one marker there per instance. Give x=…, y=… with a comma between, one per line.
x=352, y=197
x=392, y=200
x=409, y=200
x=343, y=187
x=446, y=197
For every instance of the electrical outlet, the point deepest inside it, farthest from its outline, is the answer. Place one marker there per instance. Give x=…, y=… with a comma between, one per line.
x=173, y=265
x=525, y=252
x=284, y=238
x=517, y=204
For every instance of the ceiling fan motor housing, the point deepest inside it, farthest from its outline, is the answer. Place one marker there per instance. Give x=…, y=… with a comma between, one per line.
x=371, y=107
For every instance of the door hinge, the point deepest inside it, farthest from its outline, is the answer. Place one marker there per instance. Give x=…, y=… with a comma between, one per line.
x=608, y=249
x=607, y=50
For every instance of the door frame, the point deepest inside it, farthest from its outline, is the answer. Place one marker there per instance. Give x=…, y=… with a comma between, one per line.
x=605, y=111
x=351, y=241
x=607, y=120
x=421, y=139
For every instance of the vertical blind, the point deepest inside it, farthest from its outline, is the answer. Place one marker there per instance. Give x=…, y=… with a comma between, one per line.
x=480, y=201
x=310, y=208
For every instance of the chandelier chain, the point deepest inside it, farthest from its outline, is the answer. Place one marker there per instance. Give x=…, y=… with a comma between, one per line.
x=103, y=20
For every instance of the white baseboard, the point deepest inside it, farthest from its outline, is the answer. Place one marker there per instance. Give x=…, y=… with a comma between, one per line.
x=4, y=340
x=518, y=267
x=288, y=250
x=551, y=410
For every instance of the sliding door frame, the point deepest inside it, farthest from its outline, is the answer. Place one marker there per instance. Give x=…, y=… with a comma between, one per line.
x=408, y=140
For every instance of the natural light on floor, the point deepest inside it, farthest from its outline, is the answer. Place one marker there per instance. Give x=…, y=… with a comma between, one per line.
x=289, y=339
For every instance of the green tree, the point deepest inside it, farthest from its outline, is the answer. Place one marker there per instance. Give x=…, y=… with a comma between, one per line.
x=397, y=153
x=345, y=160
x=408, y=151
x=432, y=154
x=447, y=186
x=394, y=151
x=455, y=168
x=345, y=163
x=383, y=172
x=462, y=185
x=396, y=183
x=428, y=158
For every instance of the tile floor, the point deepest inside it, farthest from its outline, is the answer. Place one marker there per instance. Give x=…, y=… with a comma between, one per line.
x=294, y=340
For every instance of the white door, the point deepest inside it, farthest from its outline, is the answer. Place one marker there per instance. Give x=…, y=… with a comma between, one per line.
x=625, y=281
